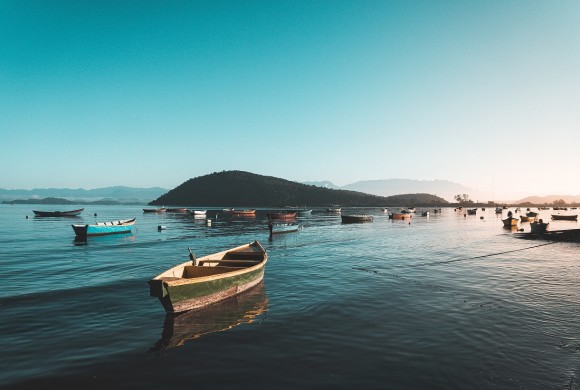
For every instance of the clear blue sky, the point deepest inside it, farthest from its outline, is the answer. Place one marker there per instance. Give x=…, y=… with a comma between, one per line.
x=152, y=93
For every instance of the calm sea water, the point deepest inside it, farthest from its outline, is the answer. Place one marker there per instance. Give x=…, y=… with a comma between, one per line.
x=446, y=302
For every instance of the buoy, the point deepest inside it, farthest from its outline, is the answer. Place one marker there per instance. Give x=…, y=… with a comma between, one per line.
x=26, y=216
x=481, y=217
x=161, y=227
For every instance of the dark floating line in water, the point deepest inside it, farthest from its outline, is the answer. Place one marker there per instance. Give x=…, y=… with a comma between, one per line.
x=472, y=258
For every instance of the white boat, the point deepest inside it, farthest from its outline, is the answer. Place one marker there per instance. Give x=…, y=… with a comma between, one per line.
x=198, y=212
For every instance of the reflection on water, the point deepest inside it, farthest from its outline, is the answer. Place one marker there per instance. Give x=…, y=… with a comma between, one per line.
x=108, y=238
x=241, y=309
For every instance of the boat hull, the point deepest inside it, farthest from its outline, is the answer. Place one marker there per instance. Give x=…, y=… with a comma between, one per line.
x=102, y=229
x=558, y=217
x=191, y=296
x=356, y=218
x=71, y=213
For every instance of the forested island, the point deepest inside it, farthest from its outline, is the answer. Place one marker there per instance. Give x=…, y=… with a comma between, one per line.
x=240, y=189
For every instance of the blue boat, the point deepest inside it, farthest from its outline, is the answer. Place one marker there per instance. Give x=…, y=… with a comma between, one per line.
x=104, y=228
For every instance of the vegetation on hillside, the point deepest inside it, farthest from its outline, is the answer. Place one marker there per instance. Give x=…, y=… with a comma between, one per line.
x=240, y=189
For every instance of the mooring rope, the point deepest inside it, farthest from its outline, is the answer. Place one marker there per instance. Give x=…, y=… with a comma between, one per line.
x=461, y=259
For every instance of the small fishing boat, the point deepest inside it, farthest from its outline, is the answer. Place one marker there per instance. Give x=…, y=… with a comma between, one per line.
x=567, y=235
x=539, y=227
x=424, y=213
x=104, y=228
x=177, y=210
x=384, y=209
x=510, y=221
x=532, y=214
x=565, y=217
x=498, y=210
x=356, y=218
x=471, y=211
x=209, y=279
x=159, y=210
x=334, y=209
x=277, y=228
x=299, y=210
x=198, y=212
x=70, y=213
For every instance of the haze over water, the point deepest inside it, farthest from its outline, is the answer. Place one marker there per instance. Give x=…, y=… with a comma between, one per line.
x=447, y=301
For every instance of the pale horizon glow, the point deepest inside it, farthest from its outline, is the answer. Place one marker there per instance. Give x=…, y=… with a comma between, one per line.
x=151, y=94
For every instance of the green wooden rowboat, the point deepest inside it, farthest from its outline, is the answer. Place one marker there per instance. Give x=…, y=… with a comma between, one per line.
x=209, y=279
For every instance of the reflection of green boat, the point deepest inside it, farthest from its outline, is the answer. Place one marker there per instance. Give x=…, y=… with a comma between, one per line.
x=241, y=309
x=209, y=279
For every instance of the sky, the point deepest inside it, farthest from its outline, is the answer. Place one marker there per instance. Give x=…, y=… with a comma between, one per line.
x=152, y=93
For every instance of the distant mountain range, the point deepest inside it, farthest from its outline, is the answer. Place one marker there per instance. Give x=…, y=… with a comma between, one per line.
x=550, y=199
x=119, y=193
x=389, y=187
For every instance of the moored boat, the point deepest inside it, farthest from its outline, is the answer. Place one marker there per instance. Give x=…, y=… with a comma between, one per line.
x=565, y=217
x=277, y=228
x=209, y=279
x=158, y=210
x=177, y=210
x=334, y=209
x=539, y=227
x=356, y=218
x=471, y=211
x=532, y=214
x=70, y=213
x=199, y=212
x=104, y=228
x=510, y=221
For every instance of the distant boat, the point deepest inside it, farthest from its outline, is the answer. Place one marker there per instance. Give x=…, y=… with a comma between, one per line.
x=277, y=228
x=510, y=221
x=498, y=210
x=384, y=209
x=471, y=211
x=70, y=213
x=356, y=218
x=104, y=228
x=200, y=282
x=561, y=217
x=177, y=210
x=159, y=210
x=199, y=212
x=531, y=214
x=424, y=213
x=334, y=209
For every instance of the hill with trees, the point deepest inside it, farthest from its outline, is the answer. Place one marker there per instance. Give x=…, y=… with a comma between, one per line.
x=243, y=189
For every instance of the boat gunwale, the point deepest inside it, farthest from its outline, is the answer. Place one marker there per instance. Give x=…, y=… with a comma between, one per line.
x=234, y=272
